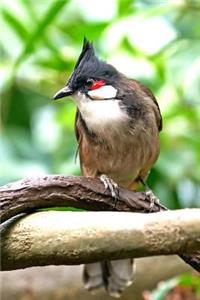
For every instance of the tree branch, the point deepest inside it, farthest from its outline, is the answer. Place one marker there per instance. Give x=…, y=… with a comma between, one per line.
x=31, y=194
x=57, y=238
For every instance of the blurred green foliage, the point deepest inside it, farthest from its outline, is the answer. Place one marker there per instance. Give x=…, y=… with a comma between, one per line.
x=157, y=42
x=188, y=282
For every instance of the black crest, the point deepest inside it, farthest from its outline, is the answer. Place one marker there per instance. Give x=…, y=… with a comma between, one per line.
x=87, y=53
x=89, y=66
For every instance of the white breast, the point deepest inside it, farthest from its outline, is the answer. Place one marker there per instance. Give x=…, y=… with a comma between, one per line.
x=101, y=115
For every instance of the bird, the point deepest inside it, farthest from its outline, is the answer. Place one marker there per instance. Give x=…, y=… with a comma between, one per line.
x=117, y=127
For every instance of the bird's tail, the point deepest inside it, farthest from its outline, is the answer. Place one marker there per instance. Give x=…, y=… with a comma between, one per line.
x=115, y=276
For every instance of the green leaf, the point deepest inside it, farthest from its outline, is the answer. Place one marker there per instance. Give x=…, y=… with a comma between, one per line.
x=48, y=18
x=125, y=7
x=15, y=24
x=163, y=289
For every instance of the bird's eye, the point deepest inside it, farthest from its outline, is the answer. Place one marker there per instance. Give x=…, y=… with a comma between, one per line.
x=89, y=82
x=95, y=84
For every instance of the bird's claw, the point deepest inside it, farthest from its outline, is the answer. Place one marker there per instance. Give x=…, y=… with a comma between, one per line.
x=153, y=199
x=111, y=185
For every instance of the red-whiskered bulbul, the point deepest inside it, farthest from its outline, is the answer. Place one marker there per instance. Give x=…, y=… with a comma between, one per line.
x=117, y=127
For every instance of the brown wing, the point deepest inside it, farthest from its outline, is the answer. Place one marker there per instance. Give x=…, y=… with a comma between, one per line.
x=146, y=91
x=76, y=125
x=77, y=129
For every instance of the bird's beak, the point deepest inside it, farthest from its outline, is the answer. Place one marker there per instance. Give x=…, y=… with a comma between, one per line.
x=64, y=92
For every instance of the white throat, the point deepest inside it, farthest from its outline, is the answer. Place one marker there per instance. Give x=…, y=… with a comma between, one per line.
x=101, y=115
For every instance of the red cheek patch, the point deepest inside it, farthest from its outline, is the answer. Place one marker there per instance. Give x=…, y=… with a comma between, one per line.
x=97, y=84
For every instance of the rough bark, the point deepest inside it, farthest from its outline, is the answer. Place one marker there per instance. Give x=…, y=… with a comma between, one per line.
x=47, y=238
x=33, y=193
x=80, y=192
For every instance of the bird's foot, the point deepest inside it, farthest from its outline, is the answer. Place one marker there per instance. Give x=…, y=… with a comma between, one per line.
x=153, y=199
x=111, y=185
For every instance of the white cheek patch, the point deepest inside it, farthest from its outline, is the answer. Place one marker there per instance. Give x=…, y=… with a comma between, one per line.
x=104, y=92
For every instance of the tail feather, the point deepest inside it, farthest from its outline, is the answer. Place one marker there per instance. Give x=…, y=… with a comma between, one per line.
x=92, y=276
x=123, y=269
x=121, y=276
x=115, y=276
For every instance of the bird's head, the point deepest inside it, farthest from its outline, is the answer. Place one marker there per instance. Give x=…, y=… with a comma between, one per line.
x=104, y=96
x=91, y=77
